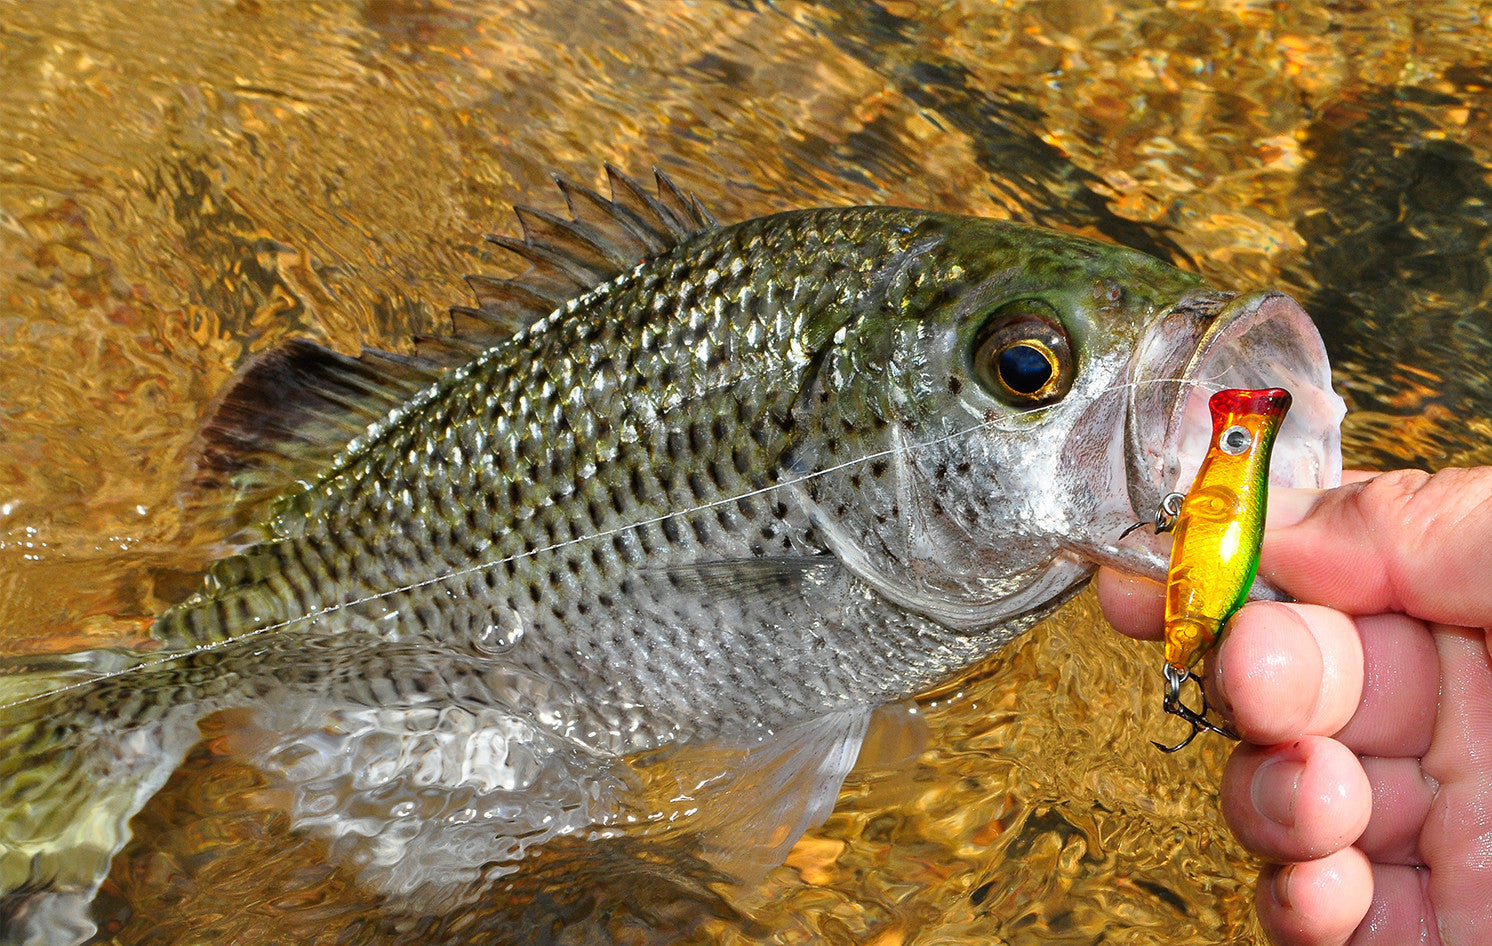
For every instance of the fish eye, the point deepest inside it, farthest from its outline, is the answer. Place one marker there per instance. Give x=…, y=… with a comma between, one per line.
x=1235, y=440
x=1022, y=354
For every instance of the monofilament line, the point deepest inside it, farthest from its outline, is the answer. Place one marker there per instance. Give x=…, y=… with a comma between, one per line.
x=607, y=533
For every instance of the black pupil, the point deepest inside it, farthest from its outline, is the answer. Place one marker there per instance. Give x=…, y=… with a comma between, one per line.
x=1237, y=439
x=1025, y=369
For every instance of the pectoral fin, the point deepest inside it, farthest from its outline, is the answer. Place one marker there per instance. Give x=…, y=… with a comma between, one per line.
x=770, y=582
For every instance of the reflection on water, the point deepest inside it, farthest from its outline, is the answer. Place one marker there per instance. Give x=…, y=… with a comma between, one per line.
x=181, y=185
x=1398, y=241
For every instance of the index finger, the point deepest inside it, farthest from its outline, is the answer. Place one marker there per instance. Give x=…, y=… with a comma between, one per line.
x=1135, y=606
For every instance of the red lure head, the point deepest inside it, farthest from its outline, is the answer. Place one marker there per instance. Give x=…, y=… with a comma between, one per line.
x=1230, y=406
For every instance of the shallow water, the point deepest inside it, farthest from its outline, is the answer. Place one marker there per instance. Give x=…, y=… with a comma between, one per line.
x=184, y=184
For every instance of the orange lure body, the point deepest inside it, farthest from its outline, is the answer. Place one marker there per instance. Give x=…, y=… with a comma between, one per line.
x=1218, y=531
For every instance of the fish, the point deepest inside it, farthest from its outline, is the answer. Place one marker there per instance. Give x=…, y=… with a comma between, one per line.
x=700, y=494
x=1218, y=529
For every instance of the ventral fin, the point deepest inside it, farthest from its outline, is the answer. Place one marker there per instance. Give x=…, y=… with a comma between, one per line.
x=749, y=802
x=287, y=412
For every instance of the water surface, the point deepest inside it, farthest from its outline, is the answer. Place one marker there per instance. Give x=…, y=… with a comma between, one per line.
x=185, y=184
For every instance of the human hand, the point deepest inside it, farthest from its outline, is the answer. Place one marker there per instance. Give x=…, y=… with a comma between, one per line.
x=1364, y=777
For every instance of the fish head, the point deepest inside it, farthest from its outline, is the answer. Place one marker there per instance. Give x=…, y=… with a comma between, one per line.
x=1211, y=341
x=1029, y=396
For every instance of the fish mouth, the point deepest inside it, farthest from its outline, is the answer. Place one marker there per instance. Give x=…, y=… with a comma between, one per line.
x=1257, y=340
x=1207, y=342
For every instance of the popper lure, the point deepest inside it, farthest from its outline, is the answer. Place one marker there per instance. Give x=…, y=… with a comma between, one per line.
x=1218, y=527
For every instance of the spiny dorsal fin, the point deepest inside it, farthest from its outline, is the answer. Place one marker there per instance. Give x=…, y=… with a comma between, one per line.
x=603, y=238
x=290, y=410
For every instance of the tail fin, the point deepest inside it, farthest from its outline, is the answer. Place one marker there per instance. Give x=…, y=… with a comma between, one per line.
x=76, y=763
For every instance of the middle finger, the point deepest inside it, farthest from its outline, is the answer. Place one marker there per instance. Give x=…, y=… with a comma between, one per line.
x=1288, y=670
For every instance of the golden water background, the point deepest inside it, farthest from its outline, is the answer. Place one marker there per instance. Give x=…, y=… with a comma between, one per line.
x=184, y=184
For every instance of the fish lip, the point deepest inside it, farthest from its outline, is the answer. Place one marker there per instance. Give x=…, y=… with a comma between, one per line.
x=1209, y=341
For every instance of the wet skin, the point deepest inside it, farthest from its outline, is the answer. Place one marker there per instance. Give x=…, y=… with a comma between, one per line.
x=1365, y=777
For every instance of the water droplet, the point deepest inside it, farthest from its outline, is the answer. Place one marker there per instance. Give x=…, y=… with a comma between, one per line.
x=500, y=634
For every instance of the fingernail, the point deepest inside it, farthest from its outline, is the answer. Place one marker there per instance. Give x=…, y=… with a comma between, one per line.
x=1287, y=506
x=1273, y=790
x=1282, y=885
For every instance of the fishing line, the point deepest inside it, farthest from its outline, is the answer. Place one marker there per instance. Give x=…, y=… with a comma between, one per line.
x=992, y=423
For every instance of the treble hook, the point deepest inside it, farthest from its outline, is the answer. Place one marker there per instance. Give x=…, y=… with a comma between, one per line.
x=1175, y=676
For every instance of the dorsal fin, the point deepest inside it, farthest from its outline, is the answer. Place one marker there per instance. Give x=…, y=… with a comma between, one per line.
x=287, y=412
x=603, y=238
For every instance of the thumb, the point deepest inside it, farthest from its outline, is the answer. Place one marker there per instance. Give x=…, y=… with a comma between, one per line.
x=1405, y=541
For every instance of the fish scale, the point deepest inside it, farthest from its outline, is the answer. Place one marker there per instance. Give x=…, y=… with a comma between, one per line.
x=655, y=470
x=734, y=496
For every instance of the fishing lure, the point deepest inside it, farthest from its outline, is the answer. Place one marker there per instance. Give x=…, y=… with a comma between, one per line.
x=1218, y=527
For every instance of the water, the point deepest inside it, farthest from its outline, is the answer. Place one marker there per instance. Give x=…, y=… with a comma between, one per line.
x=184, y=184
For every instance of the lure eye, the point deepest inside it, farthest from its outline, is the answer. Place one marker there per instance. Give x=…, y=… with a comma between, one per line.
x=1235, y=440
x=1022, y=354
